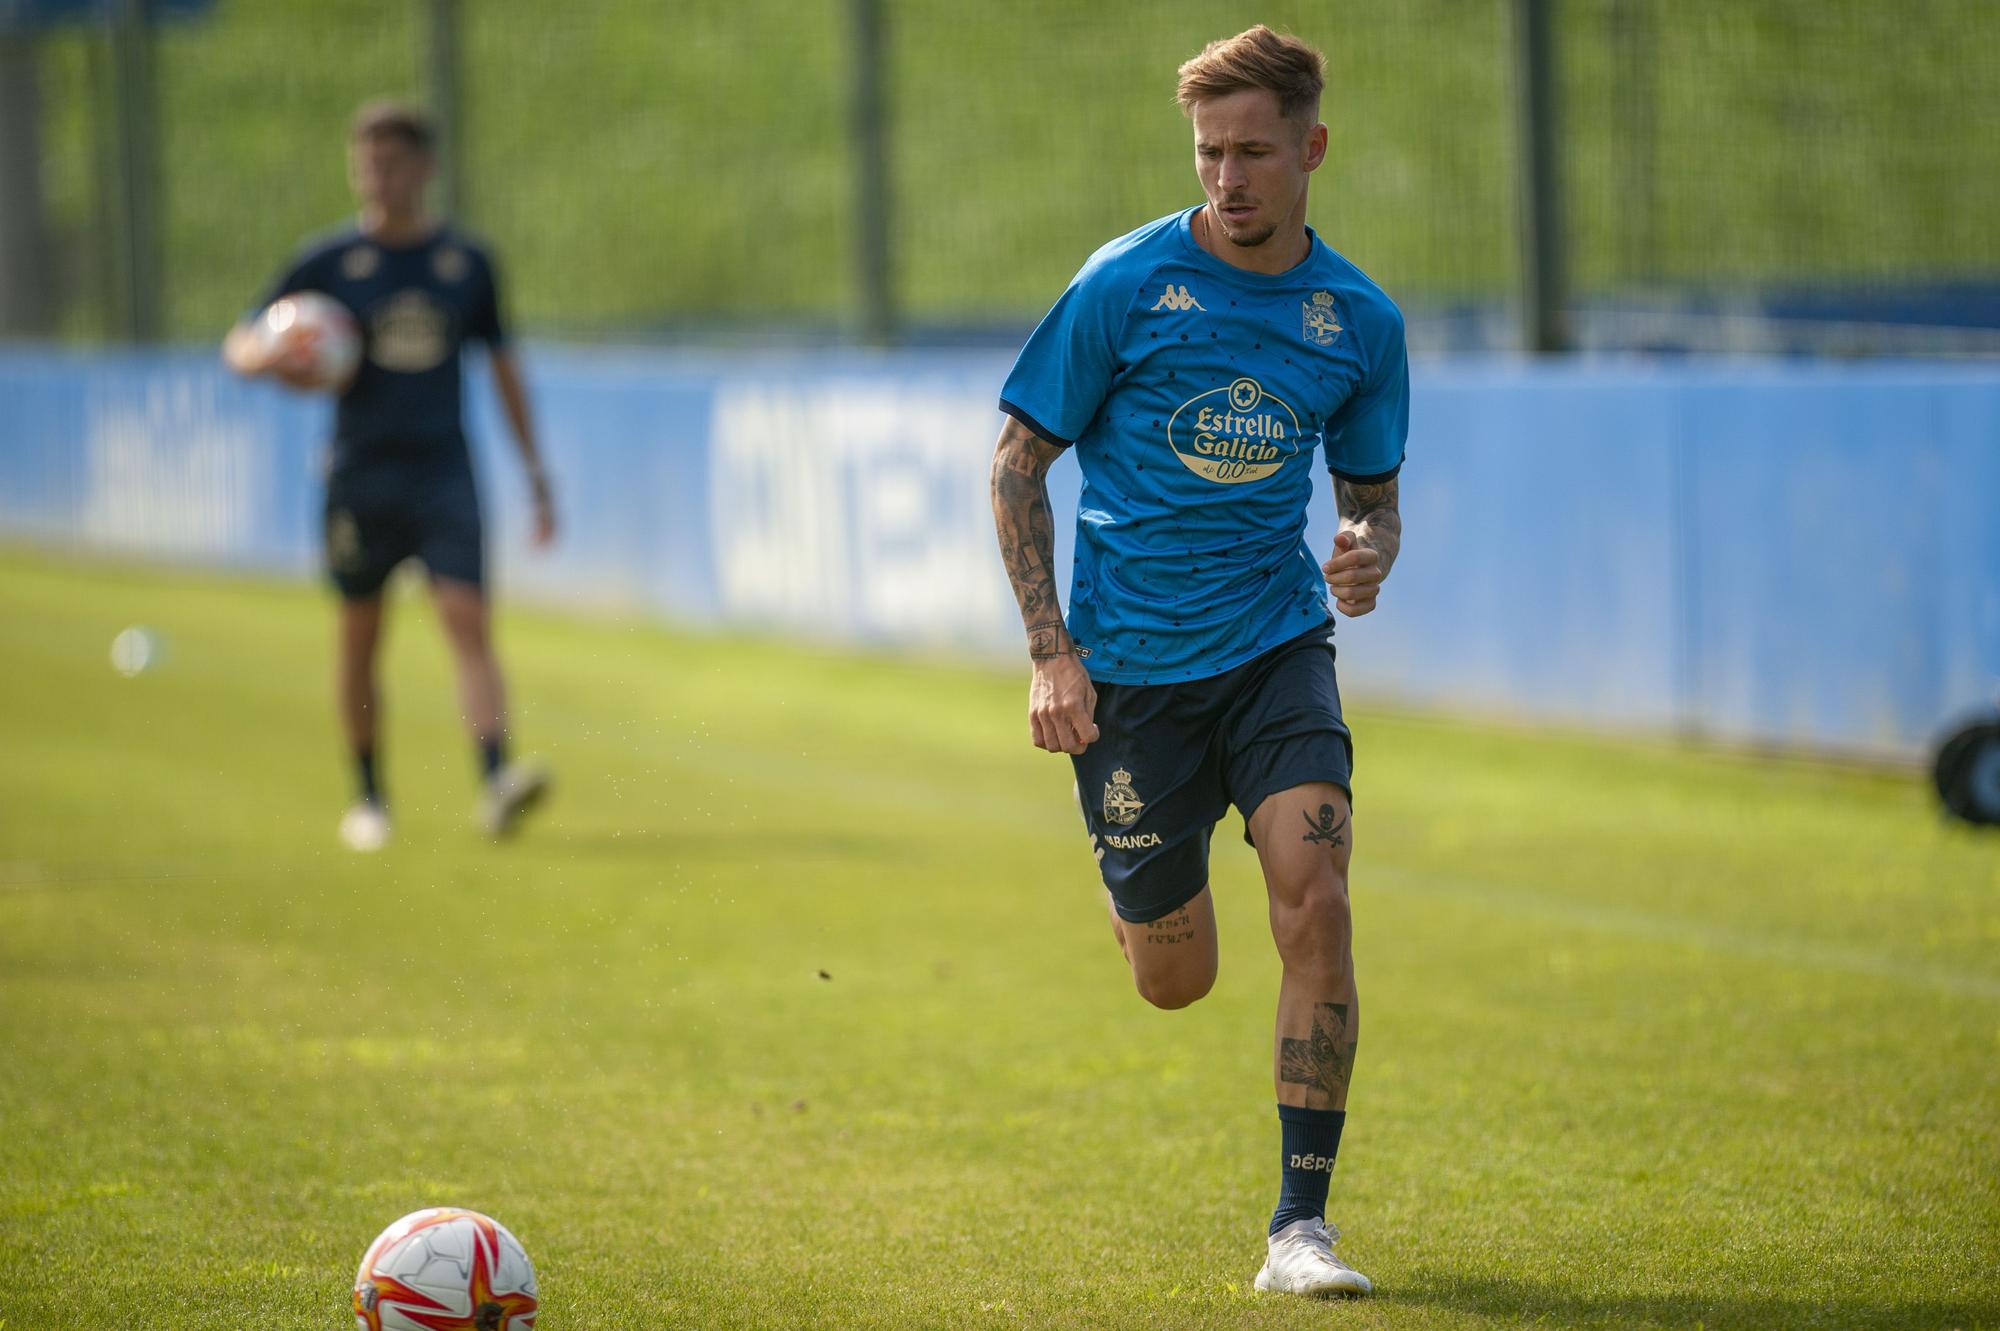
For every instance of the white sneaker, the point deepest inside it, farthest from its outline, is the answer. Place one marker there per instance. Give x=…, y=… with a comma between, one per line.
x=365, y=827
x=1301, y=1261
x=512, y=791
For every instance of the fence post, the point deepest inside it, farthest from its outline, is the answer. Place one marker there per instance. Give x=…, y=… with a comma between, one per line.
x=441, y=90
x=872, y=184
x=26, y=288
x=1544, y=284
x=134, y=214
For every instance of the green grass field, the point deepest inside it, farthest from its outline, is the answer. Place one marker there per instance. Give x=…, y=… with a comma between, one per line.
x=799, y=1008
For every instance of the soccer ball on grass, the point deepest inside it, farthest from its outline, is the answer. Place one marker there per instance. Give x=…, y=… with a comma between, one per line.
x=445, y=1269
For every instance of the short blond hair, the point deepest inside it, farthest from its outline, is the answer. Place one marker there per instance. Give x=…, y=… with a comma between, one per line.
x=1279, y=63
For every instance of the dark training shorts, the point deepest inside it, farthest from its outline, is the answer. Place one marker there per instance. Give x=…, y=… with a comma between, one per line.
x=1170, y=759
x=381, y=514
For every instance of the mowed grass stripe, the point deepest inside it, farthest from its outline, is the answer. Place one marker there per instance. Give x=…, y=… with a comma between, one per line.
x=1654, y=1037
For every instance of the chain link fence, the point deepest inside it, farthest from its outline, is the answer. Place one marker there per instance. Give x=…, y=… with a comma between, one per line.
x=1729, y=172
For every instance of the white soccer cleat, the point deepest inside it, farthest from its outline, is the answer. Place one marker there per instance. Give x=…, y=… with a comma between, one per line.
x=365, y=827
x=513, y=790
x=1301, y=1261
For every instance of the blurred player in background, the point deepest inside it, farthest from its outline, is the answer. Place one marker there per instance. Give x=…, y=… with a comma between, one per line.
x=1195, y=365
x=399, y=475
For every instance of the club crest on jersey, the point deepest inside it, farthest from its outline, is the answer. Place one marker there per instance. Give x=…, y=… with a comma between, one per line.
x=1178, y=299
x=1235, y=434
x=1322, y=320
x=360, y=262
x=450, y=264
x=1121, y=803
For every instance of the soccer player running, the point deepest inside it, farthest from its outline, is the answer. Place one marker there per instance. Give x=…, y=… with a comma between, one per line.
x=399, y=475
x=1194, y=365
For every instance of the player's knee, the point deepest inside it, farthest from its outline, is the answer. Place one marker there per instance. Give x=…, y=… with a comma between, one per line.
x=1315, y=928
x=1177, y=989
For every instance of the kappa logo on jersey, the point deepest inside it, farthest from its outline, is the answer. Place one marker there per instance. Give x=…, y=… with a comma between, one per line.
x=359, y=263
x=450, y=264
x=1235, y=434
x=1121, y=803
x=1179, y=300
x=1322, y=320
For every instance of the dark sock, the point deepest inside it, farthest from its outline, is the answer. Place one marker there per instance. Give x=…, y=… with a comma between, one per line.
x=492, y=757
x=364, y=769
x=1311, y=1139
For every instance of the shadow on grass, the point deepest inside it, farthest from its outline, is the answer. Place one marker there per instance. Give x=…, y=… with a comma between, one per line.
x=1526, y=1301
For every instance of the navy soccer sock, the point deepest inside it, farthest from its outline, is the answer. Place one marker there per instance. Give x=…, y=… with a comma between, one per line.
x=1311, y=1139
x=492, y=757
x=364, y=771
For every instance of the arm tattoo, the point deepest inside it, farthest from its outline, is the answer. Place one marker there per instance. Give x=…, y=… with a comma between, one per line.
x=1027, y=534
x=1323, y=1063
x=1373, y=507
x=1326, y=828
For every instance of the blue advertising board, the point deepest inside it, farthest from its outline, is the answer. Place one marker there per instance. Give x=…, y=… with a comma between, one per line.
x=1803, y=554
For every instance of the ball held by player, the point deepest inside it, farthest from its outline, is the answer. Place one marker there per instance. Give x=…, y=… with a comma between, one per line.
x=309, y=341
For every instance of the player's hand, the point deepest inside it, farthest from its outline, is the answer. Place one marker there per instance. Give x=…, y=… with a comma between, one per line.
x=545, y=511
x=292, y=362
x=1061, y=702
x=1354, y=575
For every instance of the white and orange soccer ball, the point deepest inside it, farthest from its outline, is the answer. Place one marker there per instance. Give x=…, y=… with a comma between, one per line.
x=445, y=1269
x=317, y=328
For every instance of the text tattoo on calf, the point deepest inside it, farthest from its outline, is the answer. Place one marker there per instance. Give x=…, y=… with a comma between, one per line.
x=1323, y=1062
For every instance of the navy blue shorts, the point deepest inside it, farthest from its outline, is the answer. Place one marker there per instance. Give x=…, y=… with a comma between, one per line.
x=1170, y=759
x=383, y=513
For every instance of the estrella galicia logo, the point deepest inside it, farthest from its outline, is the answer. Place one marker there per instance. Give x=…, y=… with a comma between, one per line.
x=1235, y=434
x=1121, y=803
x=1179, y=300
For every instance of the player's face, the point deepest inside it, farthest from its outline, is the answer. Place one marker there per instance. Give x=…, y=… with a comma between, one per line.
x=1254, y=163
x=389, y=172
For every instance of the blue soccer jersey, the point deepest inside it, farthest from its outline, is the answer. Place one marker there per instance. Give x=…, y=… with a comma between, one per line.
x=416, y=306
x=1195, y=394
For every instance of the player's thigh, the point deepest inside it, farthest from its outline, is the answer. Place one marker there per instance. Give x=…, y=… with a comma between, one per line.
x=462, y=611
x=1173, y=957
x=1289, y=766
x=1304, y=836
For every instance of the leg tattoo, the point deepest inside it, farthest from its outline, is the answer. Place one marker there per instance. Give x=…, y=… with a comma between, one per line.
x=1327, y=829
x=1175, y=928
x=1323, y=1063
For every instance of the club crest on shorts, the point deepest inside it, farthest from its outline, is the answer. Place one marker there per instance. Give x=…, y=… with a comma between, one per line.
x=343, y=541
x=1121, y=803
x=1322, y=320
